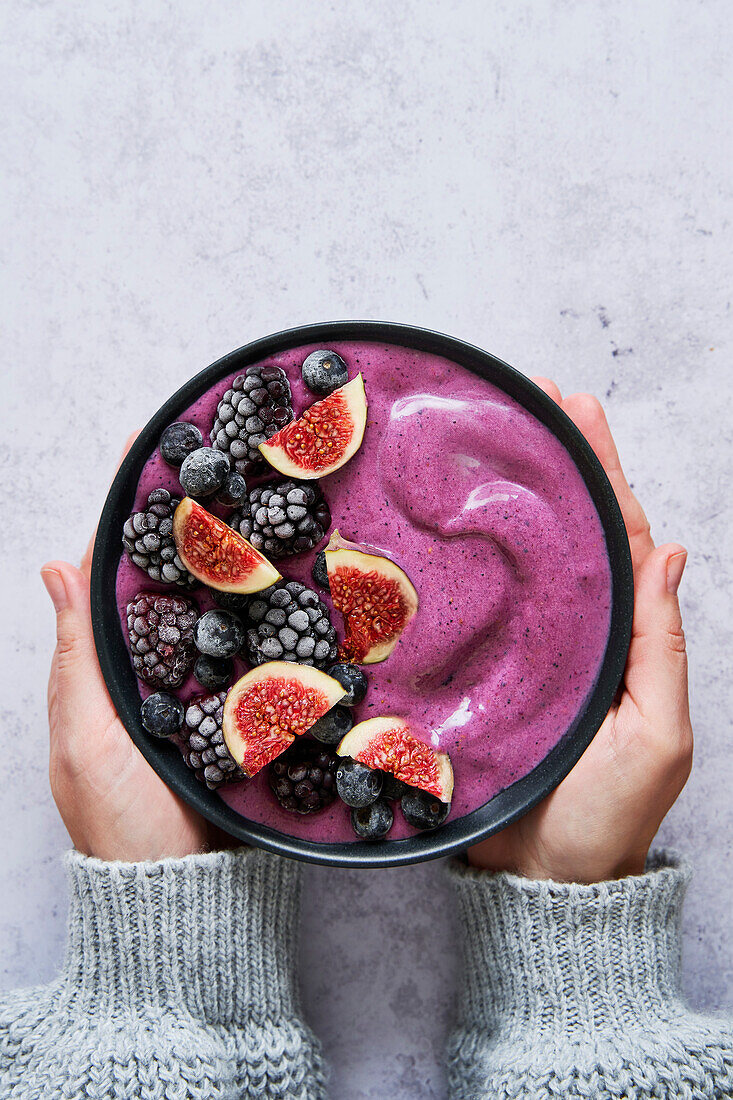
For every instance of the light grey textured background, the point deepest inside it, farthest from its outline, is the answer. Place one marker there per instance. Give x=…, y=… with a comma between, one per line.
x=547, y=180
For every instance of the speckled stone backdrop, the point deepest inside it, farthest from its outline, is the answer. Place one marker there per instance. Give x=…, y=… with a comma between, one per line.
x=546, y=179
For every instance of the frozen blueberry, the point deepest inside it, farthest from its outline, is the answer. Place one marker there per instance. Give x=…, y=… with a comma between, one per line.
x=334, y=725
x=218, y=634
x=213, y=673
x=392, y=787
x=178, y=440
x=423, y=811
x=230, y=601
x=203, y=472
x=374, y=821
x=320, y=573
x=162, y=714
x=324, y=371
x=233, y=491
x=353, y=680
x=357, y=785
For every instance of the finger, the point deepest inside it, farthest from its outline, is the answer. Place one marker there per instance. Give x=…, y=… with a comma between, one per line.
x=86, y=561
x=587, y=413
x=551, y=388
x=76, y=668
x=656, y=670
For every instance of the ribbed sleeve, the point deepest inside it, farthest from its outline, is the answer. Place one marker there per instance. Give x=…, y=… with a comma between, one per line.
x=179, y=982
x=573, y=991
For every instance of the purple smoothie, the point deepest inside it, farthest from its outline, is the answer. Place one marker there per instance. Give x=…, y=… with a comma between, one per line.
x=489, y=517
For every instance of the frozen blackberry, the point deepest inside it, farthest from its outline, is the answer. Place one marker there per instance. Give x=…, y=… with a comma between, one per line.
x=257, y=405
x=334, y=725
x=283, y=517
x=203, y=473
x=319, y=572
x=302, y=778
x=178, y=440
x=324, y=371
x=160, y=627
x=288, y=622
x=148, y=541
x=204, y=748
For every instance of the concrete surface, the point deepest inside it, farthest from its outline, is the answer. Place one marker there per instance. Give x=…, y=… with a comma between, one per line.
x=548, y=180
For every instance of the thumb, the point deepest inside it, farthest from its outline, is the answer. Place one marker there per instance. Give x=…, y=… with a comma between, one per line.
x=69, y=592
x=656, y=671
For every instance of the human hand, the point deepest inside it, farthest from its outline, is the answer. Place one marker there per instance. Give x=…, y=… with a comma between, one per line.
x=112, y=802
x=600, y=822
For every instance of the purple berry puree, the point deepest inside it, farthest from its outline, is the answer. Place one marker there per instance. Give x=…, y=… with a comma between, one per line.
x=487, y=514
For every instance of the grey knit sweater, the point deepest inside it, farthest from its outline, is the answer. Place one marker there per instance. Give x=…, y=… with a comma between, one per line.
x=179, y=982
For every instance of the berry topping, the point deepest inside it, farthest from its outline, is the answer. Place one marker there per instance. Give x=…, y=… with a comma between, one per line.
x=288, y=622
x=357, y=785
x=324, y=372
x=204, y=747
x=374, y=821
x=162, y=714
x=219, y=634
x=148, y=541
x=393, y=788
x=203, y=472
x=231, y=601
x=283, y=517
x=333, y=726
x=233, y=492
x=319, y=571
x=354, y=682
x=178, y=440
x=213, y=673
x=302, y=779
x=422, y=810
x=257, y=406
x=161, y=637
x=324, y=438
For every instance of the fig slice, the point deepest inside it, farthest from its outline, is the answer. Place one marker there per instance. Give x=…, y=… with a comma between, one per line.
x=390, y=744
x=324, y=438
x=272, y=705
x=216, y=554
x=375, y=597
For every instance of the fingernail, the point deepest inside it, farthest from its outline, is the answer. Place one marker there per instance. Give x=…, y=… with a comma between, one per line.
x=56, y=588
x=675, y=569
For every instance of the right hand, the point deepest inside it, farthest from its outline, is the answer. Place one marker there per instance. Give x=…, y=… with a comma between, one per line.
x=600, y=822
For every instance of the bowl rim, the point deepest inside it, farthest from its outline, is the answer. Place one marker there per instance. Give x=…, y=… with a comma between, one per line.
x=508, y=804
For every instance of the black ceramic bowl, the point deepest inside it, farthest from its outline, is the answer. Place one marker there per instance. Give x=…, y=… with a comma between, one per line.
x=508, y=804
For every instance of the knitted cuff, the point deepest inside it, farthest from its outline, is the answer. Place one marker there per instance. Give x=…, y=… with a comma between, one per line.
x=212, y=935
x=563, y=958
